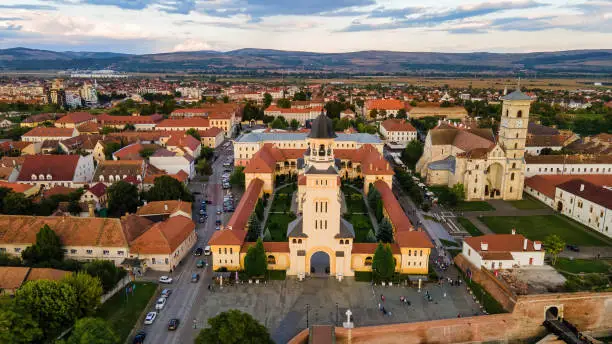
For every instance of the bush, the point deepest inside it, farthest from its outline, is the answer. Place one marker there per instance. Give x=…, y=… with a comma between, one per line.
x=276, y=275
x=363, y=276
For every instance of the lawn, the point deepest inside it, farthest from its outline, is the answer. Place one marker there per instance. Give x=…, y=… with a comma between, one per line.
x=527, y=203
x=577, y=266
x=277, y=224
x=474, y=206
x=357, y=213
x=122, y=313
x=282, y=199
x=469, y=226
x=540, y=226
x=354, y=200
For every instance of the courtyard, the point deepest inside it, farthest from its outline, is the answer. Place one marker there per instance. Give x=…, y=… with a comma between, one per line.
x=282, y=305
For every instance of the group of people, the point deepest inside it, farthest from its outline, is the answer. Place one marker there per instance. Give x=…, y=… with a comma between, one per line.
x=381, y=306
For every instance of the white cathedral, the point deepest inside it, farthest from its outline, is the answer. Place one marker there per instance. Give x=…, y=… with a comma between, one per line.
x=489, y=167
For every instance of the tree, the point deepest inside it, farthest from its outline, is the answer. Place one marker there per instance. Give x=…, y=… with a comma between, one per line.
x=88, y=291
x=459, y=191
x=233, y=327
x=168, y=188
x=373, y=113
x=9, y=260
x=267, y=235
x=383, y=264
x=145, y=153
x=207, y=152
x=193, y=132
x=412, y=153
x=279, y=123
x=283, y=103
x=553, y=245
x=110, y=148
x=334, y=108
x=385, y=231
x=53, y=305
x=267, y=100
x=382, y=113
x=237, y=177
x=294, y=124
x=378, y=210
x=301, y=95
x=259, y=209
x=254, y=228
x=255, y=261
x=47, y=248
x=129, y=127
x=371, y=236
x=401, y=114
x=17, y=326
x=122, y=198
x=92, y=331
x=203, y=167
x=16, y=204
x=106, y=272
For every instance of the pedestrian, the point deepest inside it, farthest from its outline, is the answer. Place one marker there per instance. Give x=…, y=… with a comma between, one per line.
x=379, y=306
x=382, y=297
x=458, y=315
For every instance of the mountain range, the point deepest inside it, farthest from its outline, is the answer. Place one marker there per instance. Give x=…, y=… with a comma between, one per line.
x=265, y=61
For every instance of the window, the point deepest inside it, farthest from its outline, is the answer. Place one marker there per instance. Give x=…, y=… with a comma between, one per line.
x=17, y=249
x=515, y=145
x=73, y=251
x=519, y=114
x=368, y=261
x=219, y=250
x=89, y=251
x=231, y=250
x=409, y=252
x=513, y=165
x=299, y=241
x=469, y=251
x=153, y=260
x=294, y=241
x=512, y=176
x=341, y=242
x=120, y=253
x=225, y=250
x=166, y=261
x=106, y=252
x=271, y=259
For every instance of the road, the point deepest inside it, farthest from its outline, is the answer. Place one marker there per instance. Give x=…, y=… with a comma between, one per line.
x=186, y=294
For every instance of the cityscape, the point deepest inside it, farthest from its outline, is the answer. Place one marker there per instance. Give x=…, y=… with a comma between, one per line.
x=360, y=171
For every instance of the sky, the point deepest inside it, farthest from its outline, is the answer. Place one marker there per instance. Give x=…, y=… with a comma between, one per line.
x=154, y=26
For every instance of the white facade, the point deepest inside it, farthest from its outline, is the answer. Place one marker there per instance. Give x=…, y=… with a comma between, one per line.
x=535, y=150
x=590, y=214
x=532, y=169
x=399, y=137
x=480, y=256
x=173, y=164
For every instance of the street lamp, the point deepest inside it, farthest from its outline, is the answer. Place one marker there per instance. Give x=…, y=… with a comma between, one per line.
x=336, y=313
x=307, y=310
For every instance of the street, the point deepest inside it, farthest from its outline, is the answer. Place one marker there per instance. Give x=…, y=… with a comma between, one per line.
x=185, y=293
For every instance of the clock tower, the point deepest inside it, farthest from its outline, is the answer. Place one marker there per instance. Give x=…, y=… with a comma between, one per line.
x=512, y=138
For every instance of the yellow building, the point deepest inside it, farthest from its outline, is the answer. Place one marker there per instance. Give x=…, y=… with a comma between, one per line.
x=320, y=241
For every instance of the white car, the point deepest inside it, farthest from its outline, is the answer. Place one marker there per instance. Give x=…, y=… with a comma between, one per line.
x=207, y=251
x=150, y=318
x=165, y=279
x=161, y=302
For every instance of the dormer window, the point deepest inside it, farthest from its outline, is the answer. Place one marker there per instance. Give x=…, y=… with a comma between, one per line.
x=111, y=179
x=138, y=178
x=102, y=178
x=117, y=178
x=41, y=177
x=48, y=177
x=33, y=177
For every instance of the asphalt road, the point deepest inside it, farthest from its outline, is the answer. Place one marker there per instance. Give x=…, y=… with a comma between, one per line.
x=186, y=294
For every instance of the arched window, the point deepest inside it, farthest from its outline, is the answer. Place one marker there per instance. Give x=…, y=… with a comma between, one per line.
x=49, y=177
x=519, y=114
x=507, y=113
x=512, y=176
x=294, y=241
x=271, y=259
x=111, y=178
x=299, y=241
x=102, y=178
x=513, y=165
x=409, y=252
x=341, y=242
x=33, y=177
x=515, y=145
x=41, y=177
x=368, y=261
x=517, y=135
x=117, y=178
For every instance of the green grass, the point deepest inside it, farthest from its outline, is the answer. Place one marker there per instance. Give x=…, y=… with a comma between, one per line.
x=277, y=224
x=354, y=200
x=469, y=226
x=490, y=304
x=282, y=199
x=577, y=266
x=474, y=206
x=527, y=203
x=362, y=226
x=540, y=226
x=122, y=313
x=449, y=243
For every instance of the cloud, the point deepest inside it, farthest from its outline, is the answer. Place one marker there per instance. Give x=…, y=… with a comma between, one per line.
x=29, y=7
x=270, y=8
x=10, y=18
x=191, y=45
x=427, y=17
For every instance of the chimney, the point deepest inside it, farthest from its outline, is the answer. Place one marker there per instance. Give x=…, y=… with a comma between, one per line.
x=537, y=245
x=513, y=231
x=165, y=206
x=484, y=246
x=525, y=241
x=371, y=166
x=581, y=187
x=91, y=209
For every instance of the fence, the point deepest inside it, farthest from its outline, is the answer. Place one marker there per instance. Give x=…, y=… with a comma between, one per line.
x=122, y=283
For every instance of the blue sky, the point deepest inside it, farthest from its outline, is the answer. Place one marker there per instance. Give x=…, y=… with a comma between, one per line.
x=151, y=26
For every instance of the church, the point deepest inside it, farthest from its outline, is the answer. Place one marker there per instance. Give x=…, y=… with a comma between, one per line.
x=488, y=166
x=320, y=241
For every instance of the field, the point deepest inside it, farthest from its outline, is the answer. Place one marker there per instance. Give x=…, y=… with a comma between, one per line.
x=469, y=226
x=539, y=227
x=122, y=313
x=577, y=266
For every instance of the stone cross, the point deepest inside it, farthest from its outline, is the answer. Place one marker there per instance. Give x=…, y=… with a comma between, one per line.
x=348, y=315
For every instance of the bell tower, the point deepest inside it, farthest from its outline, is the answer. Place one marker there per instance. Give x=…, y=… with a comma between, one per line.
x=512, y=138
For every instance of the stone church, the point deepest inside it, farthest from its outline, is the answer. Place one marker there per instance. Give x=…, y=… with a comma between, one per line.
x=489, y=166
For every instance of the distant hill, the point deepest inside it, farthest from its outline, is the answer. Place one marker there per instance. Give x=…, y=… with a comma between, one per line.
x=266, y=61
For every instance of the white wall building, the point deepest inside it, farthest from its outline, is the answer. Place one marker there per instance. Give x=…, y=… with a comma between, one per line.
x=567, y=164
x=503, y=251
x=586, y=203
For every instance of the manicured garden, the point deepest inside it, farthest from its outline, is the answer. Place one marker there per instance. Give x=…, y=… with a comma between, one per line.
x=577, y=266
x=538, y=227
x=280, y=213
x=123, y=311
x=469, y=226
x=282, y=199
x=527, y=203
x=357, y=214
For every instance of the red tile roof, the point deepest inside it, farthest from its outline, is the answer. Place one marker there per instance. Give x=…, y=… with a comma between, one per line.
x=118, y=120
x=16, y=187
x=547, y=184
x=164, y=237
x=210, y=132
x=394, y=210
x=11, y=277
x=60, y=167
x=385, y=104
x=500, y=243
x=196, y=122
x=183, y=140
x=98, y=190
x=397, y=125
x=46, y=274
x=57, y=190
x=245, y=208
x=132, y=151
x=164, y=207
x=588, y=191
x=75, y=118
x=415, y=239
x=49, y=132
x=372, y=162
x=228, y=237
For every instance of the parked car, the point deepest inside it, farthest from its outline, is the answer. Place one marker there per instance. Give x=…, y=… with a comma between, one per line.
x=207, y=251
x=161, y=302
x=173, y=324
x=202, y=219
x=217, y=228
x=195, y=277
x=218, y=222
x=218, y=212
x=202, y=212
x=198, y=251
x=165, y=279
x=573, y=248
x=139, y=338
x=150, y=318
x=166, y=293
x=200, y=263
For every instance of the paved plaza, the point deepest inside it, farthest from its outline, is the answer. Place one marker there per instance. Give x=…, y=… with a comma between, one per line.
x=281, y=305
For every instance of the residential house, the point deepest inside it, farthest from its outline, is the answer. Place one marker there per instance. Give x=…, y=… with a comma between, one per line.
x=36, y=120
x=111, y=171
x=13, y=277
x=587, y=203
x=133, y=151
x=389, y=106
x=56, y=170
x=75, y=119
x=173, y=162
x=397, y=133
x=162, y=210
x=80, y=144
x=40, y=134
x=503, y=251
x=140, y=123
x=95, y=195
x=212, y=137
x=26, y=189
x=183, y=143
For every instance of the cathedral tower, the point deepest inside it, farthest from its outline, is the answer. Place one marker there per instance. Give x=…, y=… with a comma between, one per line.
x=512, y=138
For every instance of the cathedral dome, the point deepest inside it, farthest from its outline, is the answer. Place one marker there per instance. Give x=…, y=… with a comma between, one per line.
x=322, y=128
